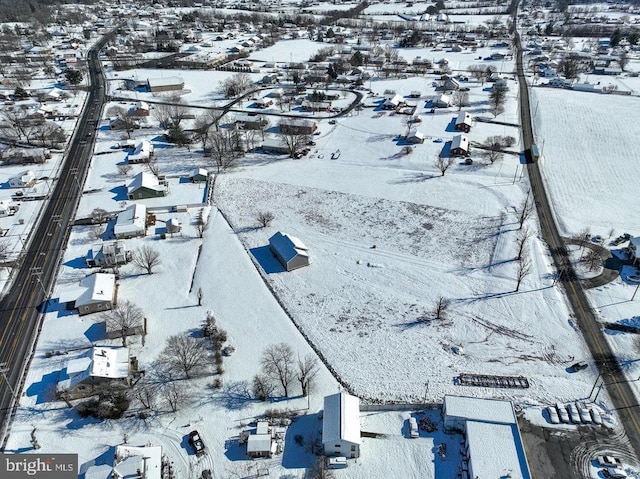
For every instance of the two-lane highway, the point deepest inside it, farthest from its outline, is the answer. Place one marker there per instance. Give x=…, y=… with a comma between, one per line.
x=617, y=385
x=20, y=315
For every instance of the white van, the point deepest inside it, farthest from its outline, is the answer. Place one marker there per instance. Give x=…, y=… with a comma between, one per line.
x=413, y=428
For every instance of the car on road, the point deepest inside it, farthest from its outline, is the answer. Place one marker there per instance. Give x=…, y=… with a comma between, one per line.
x=615, y=473
x=196, y=443
x=608, y=461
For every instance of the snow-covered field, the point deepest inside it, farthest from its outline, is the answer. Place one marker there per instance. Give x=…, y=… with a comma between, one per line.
x=388, y=235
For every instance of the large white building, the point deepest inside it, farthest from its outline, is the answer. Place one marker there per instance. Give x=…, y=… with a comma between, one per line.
x=493, y=443
x=341, y=426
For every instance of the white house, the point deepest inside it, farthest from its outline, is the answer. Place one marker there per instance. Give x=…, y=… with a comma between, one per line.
x=441, y=101
x=142, y=153
x=134, y=462
x=393, y=102
x=95, y=292
x=290, y=251
x=100, y=366
x=26, y=179
x=493, y=441
x=108, y=254
x=131, y=222
x=341, y=426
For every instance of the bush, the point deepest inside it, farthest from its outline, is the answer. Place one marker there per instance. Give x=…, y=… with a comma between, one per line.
x=110, y=405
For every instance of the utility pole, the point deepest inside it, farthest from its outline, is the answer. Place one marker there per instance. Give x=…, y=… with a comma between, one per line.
x=4, y=370
x=37, y=272
x=74, y=172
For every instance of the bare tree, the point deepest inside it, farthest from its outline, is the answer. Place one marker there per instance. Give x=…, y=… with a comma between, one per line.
x=525, y=210
x=623, y=59
x=443, y=164
x=262, y=387
x=294, y=143
x=441, y=307
x=125, y=318
x=200, y=295
x=460, y=99
x=592, y=259
x=320, y=470
x=521, y=242
x=96, y=232
x=99, y=216
x=582, y=237
x=479, y=72
x=174, y=395
x=124, y=169
x=170, y=114
x=203, y=124
x=222, y=149
x=184, y=354
x=4, y=249
x=524, y=270
x=146, y=392
x=493, y=149
x=308, y=369
x=146, y=258
x=153, y=166
x=265, y=218
x=277, y=364
x=236, y=85
x=497, y=99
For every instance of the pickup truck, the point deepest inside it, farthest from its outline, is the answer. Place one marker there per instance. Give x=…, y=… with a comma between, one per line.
x=196, y=442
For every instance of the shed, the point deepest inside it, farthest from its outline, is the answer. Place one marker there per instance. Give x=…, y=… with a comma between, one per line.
x=290, y=251
x=416, y=137
x=341, y=425
x=199, y=175
x=261, y=443
x=441, y=101
x=174, y=225
x=8, y=208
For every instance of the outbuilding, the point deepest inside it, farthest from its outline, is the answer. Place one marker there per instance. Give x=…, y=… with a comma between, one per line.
x=341, y=425
x=199, y=175
x=26, y=179
x=290, y=251
x=172, y=83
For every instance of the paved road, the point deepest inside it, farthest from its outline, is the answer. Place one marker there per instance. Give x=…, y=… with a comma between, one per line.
x=620, y=391
x=20, y=317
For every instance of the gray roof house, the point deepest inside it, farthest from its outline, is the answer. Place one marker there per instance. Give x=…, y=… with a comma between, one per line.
x=290, y=251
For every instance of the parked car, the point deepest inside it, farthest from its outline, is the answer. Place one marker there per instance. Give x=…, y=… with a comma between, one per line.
x=614, y=473
x=553, y=415
x=596, y=417
x=413, y=428
x=573, y=413
x=579, y=366
x=196, y=442
x=608, y=461
x=562, y=412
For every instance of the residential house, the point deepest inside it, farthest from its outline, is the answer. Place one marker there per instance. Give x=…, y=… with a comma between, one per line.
x=119, y=123
x=141, y=108
x=172, y=83
x=294, y=126
x=21, y=156
x=250, y=122
x=108, y=255
x=493, y=443
x=310, y=105
x=393, y=102
x=132, y=222
x=134, y=462
x=450, y=84
x=275, y=145
x=263, y=102
x=463, y=122
x=142, y=153
x=99, y=368
x=26, y=179
x=290, y=251
x=341, y=426
x=146, y=185
x=261, y=443
x=459, y=146
x=95, y=293
x=441, y=101
x=416, y=137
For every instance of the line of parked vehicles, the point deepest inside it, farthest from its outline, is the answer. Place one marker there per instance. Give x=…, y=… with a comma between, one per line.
x=576, y=413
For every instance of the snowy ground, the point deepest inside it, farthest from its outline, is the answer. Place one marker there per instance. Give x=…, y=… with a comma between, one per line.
x=361, y=307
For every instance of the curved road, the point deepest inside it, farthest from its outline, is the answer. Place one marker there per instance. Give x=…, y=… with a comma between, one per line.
x=622, y=395
x=20, y=308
